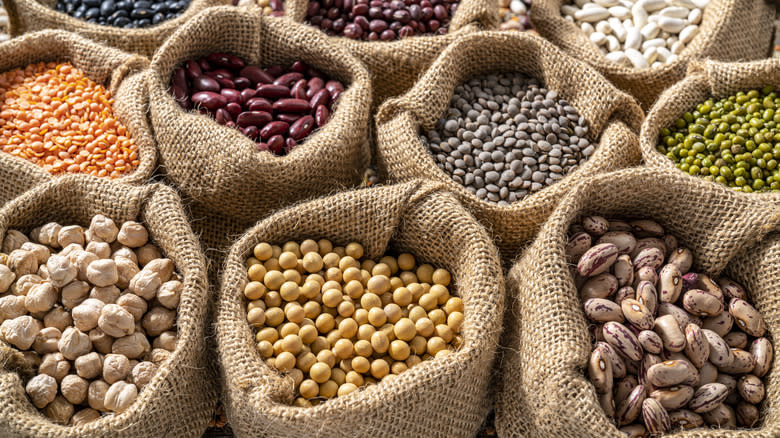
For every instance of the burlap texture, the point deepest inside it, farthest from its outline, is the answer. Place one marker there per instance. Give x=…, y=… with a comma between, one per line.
x=396, y=65
x=730, y=30
x=613, y=118
x=32, y=15
x=118, y=71
x=444, y=397
x=180, y=399
x=218, y=167
x=705, y=80
x=544, y=391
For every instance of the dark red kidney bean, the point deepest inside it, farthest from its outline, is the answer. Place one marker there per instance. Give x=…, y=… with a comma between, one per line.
x=220, y=73
x=440, y=12
x=242, y=83
x=387, y=35
x=226, y=83
x=248, y=93
x=259, y=104
x=377, y=25
x=273, y=91
x=181, y=96
x=230, y=124
x=302, y=127
x=193, y=69
x=362, y=22
x=373, y=36
x=353, y=31
x=275, y=70
x=321, y=115
x=289, y=144
x=256, y=75
x=427, y=12
x=289, y=118
x=205, y=83
x=298, y=90
x=273, y=128
x=433, y=25
x=415, y=11
x=338, y=25
x=320, y=98
x=232, y=95
x=234, y=109
x=299, y=67
x=226, y=60
x=360, y=9
x=253, y=118
x=288, y=79
x=335, y=96
x=276, y=142
x=251, y=132
x=209, y=100
x=314, y=85
x=262, y=147
x=405, y=31
x=223, y=116
x=291, y=106
x=314, y=9
x=205, y=65
x=179, y=79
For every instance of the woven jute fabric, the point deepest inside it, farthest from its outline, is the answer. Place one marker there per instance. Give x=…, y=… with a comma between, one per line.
x=613, y=118
x=546, y=345
x=117, y=71
x=705, y=80
x=396, y=65
x=444, y=397
x=220, y=168
x=179, y=401
x=32, y=15
x=730, y=30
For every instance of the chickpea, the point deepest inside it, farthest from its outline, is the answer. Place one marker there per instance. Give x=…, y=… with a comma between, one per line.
x=25, y=283
x=126, y=271
x=101, y=341
x=14, y=239
x=7, y=277
x=157, y=320
x=108, y=294
x=167, y=341
x=84, y=416
x=20, y=331
x=59, y=410
x=74, y=293
x=70, y=234
x=103, y=229
x=145, y=284
x=101, y=250
x=42, y=390
x=89, y=365
x=11, y=307
x=132, y=234
x=163, y=267
x=41, y=298
x=55, y=365
x=85, y=315
x=133, y=346
x=74, y=389
x=46, y=340
x=147, y=253
x=22, y=262
x=96, y=395
x=158, y=356
x=123, y=252
x=121, y=394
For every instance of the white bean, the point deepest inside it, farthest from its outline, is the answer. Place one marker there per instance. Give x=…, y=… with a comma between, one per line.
x=674, y=11
x=650, y=30
x=689, y=33
x=592, y=14
x=686, y=3
x=658, y=42
x=604, y=27
x=651, y=54
x=633, y=39
x=617, y=29
x=654, y=5
x=671, y=24
x=639, y=13
x=616, y=57
x=607, y=3
x=694, y=17
x=597, y=38
x=663, y=54
x=701, y=3
x=612, y=43
x=678, y=47
x=587, y=28
x=569, y=10
x=620, y=12
x=636, y=58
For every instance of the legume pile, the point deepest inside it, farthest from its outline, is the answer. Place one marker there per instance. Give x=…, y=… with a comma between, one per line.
x=384, y=20
x=128, y=14
x=54, y=116
x=673, y=349
x=334, y=321
x=95, y=319
x=505, y=137
x=639, y=34
x=277, y=107
x=514, y=14
x=274, y=8
x=734, y=141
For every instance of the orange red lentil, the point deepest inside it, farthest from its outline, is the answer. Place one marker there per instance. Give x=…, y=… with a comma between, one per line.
x=53, y=115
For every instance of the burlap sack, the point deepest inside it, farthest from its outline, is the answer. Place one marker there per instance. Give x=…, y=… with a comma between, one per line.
x=220, y=168
x=705, y=80
x=118, y=71
x=396, y=65
x=180, y=399
x=544, y=391
x=613, y=117
x=730, y=30
x=31, y=15
x=445, y=397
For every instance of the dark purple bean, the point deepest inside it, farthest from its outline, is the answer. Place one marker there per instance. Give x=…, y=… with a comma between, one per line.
x=259, y=104
x=402, y=15
x=181, y=96
x=321, y=115
x=242, y=83
x=326, y=23
x=248, y=93
x=335, y=96
x=375, y=13
x=338, y=25
x=276, y=143
x=232, y=95
x=405, y=31
x=234, y=109
x=353, y=31
x=251, y=132
x=360, y=9
x=373, y=36
x=273, y=128
x=275, y=70
x=395, y=26
x=262, y=147
x=415, y=11
x=440, y=12
x=179, y=79
x=302, y=127
x=226, y=60
x=220, y=73
x=316, y=20
x=256, y=75
x=288, y=79
x=433, y=25
x=362, y=22
x=205, y=65
x=289, y=145
x=387, y=35
x=314, y=85
x=253, y=118
x=291, y=106
x=347, y=6
x=288, y=118
x=226, y=83
x=209, y=100
x=230, y=124
x=377, y=25
x=332, y=86
x=320, y=98
x=193, y=70
x=223, y=116
x=273, y=91
x=314, y=9
x=427, y=12
x=298, y=90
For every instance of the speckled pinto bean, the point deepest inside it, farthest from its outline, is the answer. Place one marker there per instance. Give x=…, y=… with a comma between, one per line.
x=381, y=20
x=53, y=115
x=679, y=355
x=277, y=108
